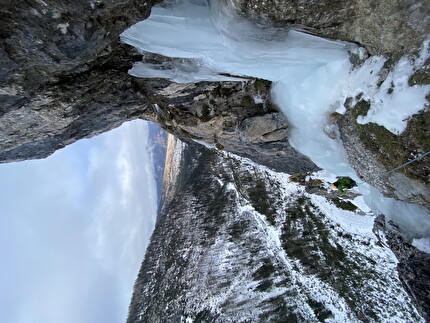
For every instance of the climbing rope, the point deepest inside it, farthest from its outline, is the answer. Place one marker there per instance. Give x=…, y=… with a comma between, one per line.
x=401, y=166
x=406, y=164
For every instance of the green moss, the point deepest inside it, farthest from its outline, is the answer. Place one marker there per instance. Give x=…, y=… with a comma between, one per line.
x=391, y=150
x=261, y=85
x=344, y=183
x=344, y=205
x=361, y=109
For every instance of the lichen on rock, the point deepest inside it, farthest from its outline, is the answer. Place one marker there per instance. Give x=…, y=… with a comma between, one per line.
x=373, y=151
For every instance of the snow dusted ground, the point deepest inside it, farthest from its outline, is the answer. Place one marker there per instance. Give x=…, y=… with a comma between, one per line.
x=350, y=231
x=241, y=243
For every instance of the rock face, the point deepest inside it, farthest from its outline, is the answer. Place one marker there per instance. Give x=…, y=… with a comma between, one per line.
x=237, y=117
x=392, y=28
x=64, y=75
x=73, y=83
x=373, y=151
x=412, y=267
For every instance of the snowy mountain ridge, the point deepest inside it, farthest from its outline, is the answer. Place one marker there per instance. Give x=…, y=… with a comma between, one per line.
x=242, y=243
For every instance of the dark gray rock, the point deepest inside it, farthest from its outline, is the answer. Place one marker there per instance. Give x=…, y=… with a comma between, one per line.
x=64, y=77
x=413, y=266
x=373, y=151
x=64, y=73
x=392, y=28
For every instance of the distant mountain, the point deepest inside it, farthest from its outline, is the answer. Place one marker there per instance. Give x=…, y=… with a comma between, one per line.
x=237, y=242
x=158, y=142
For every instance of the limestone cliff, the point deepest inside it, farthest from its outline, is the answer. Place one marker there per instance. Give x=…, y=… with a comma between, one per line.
x=392, y=28
x=64, y=73
x=64, y=77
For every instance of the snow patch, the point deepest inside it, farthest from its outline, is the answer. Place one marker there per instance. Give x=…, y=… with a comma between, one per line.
x=349, y=221
x=231, y=187
x=63, y=28
x=422, y=244
x=361, y=204
x=258, y=99
x=220, y=182
x=394, y=101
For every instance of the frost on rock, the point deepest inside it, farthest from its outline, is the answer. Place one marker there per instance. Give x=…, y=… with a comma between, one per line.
x=422, y=244
x=393, y=101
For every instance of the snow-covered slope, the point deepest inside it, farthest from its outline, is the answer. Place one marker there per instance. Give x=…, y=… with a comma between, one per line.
x=238, y=242
x=241, y=243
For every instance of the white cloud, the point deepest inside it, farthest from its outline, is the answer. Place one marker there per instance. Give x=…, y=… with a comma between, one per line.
x=74, y=228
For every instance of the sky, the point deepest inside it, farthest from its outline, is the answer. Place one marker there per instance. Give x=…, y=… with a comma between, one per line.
x=74, y=228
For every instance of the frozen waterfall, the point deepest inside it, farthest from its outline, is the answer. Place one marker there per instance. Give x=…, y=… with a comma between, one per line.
x=312, y=78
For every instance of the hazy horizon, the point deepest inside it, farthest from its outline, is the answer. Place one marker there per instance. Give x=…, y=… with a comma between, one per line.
x=74, y=229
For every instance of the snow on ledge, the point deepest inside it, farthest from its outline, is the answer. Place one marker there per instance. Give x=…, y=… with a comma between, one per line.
x=394, y=101
x=422, y=244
